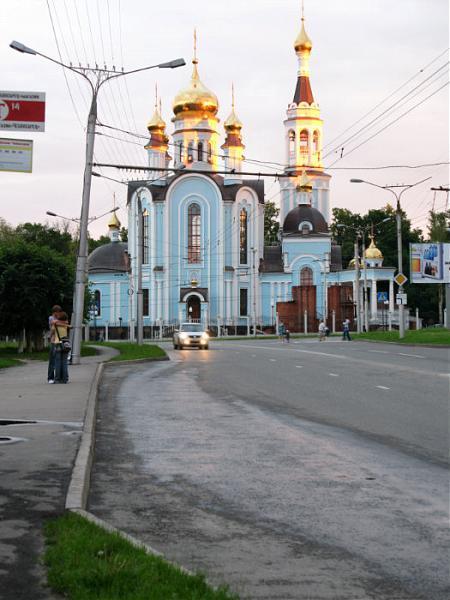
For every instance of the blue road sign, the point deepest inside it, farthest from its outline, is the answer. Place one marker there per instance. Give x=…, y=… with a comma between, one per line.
x=382, y=296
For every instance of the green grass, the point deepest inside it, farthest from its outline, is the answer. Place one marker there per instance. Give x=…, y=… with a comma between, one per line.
x=10, y=358
x=131, y=351
x=87, y=563
x=432, y=335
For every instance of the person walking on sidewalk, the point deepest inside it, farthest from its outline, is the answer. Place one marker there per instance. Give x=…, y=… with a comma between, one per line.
x=56, y=311
x=346, y=330
x=61, y=327
x=322, y=331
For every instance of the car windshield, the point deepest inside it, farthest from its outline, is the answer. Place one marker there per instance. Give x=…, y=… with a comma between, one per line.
x=191, y=327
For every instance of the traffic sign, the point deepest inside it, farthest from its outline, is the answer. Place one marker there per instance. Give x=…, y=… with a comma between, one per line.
x=22, y=111
x=16, y=155
x=401, y=299
x=382, y=296
x=400, y=279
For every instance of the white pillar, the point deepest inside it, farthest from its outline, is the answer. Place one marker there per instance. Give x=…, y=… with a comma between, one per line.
x=417, y=319
x=373, y=299
x=219, y=322
x=86, y=333
x=333, y=321
x=106, y=331
x=305, y=320
x=391, y=296
x=390, y=315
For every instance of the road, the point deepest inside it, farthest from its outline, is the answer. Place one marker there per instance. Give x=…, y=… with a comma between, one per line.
x=290, y=471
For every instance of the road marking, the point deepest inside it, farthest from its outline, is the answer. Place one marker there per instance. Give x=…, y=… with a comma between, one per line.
x=383, y=387
x=299, y=366
x=413, y=355
x=333, y=374
x=273, y=360
x=379, y=351
x=253, y=355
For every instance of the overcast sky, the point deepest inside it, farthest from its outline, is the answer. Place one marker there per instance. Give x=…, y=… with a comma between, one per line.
x=363, y=51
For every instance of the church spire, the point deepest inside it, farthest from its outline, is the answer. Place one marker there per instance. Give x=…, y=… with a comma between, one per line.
x=233, y=147
x=303, y=47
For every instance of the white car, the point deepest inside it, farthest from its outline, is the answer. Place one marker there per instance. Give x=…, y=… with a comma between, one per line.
x=191, y=335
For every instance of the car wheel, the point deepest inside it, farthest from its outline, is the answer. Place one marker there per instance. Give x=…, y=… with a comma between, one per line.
x=206, y=347
x=175, y=347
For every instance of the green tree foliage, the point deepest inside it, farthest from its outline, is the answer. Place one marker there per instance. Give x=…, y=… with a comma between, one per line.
x=271, y=223
x=32, y=278
x=59, y=240
x=438, y=226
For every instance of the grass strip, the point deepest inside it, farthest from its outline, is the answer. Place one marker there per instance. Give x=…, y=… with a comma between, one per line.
x=131, y=351
x=10, y=358
x=85, y=562
x=431, y=335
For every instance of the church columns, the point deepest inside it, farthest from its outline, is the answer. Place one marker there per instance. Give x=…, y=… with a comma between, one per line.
x=373, y=299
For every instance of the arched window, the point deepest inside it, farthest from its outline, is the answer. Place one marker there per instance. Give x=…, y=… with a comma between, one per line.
x=97, y=303
x=190, y=156
x=291, y=136
x=306, y=276
x=200, y=151
x=180, y=151
x=316, y=146
x=194, y=233
x=304, y=138
x=243, y=237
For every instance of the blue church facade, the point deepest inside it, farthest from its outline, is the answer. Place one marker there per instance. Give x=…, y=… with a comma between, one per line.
x=201, y=235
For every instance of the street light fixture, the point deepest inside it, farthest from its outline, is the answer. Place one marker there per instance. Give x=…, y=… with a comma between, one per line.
x=99, y=76
x=398, y=195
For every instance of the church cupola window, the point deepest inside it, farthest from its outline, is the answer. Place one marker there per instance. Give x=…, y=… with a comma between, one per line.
x=190, y=156
x=305, y=227
x=209, y=152
x=304, y=140
x=200, y=151
x=316, y=146
x=180, y=151
x=291, y=136
x=243, y=237
x=306, y=276
x=194, y=233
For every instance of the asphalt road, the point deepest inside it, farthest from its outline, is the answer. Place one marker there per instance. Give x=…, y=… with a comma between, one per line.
x=291, y=471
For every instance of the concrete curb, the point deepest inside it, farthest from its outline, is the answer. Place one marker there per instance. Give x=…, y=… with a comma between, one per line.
x=136, y=360
x=80, y=479
x=404, y=345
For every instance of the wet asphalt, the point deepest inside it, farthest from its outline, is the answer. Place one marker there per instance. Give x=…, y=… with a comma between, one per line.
x=300, y=471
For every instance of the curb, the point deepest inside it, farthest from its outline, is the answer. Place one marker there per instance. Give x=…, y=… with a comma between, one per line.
x=404, y=345
x=136, y=360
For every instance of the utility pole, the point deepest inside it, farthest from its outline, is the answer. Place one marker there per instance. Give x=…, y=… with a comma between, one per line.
x=446, y=189
x=254, y=291
x=358, y=300
x=95, y=78
x=365, y=307
x=139, y=257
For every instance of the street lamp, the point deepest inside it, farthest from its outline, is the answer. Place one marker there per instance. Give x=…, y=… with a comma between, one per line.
x=99, y=76
x=398, y=195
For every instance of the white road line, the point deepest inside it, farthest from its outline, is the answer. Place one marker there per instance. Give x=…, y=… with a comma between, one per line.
x=383, y=387
x=299, y=366
x=413, y=355
x=273, y=360
x=333, y=374
x=379, y=351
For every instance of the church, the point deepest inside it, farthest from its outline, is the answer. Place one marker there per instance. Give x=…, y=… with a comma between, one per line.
x=199, y=230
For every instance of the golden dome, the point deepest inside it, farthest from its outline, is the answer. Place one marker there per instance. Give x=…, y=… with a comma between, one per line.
x=372, y=251
x=232, y=121
x=302, y=42
x=156, y=122
x=114, y=222
x=351, y=264
x=196, y=97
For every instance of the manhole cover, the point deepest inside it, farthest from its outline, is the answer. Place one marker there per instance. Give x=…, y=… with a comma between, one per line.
x=14, y=422
x=10, y=440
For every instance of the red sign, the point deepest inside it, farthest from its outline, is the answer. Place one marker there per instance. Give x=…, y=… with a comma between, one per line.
x=22, y=111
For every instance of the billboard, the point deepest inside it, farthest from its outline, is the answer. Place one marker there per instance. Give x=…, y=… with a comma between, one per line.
x=430, y=262
x=16, y=155
x=22, y=111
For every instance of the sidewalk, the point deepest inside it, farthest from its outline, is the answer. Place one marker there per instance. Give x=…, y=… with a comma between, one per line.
x=36, y=469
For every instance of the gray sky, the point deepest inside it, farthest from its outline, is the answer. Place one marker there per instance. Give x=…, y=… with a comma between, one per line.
x=363, y=50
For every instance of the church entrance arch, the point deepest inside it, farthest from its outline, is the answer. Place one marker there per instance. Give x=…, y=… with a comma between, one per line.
x=193, y=308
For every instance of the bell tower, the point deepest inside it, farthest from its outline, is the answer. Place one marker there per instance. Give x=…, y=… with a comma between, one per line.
x=304, y=136
x=233, y=148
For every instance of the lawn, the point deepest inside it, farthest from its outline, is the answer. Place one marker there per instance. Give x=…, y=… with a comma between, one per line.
x=131, y=351
x=10, y=358
x=431, y=335
x=85, y=562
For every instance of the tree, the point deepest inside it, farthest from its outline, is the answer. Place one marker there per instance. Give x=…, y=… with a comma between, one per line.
x=59, y=240
x=271, y=223
x=32, y=279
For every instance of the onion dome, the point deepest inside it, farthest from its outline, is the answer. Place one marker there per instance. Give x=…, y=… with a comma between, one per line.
x=233, y=122
x=304, y=215
x=305, y=183
x=196, y=97
x=302, y=41
x=114, y=222
x=156, y=123
x=372, y=252
x=109, y=258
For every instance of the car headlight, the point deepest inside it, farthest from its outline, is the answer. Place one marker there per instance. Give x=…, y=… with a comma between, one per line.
x=183, y=336
x=205, y=336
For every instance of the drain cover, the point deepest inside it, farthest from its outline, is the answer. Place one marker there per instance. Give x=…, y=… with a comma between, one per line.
x=14, y=422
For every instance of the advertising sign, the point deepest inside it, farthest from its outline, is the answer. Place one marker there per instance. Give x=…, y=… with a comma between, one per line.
x=16, y=155
x=22, y=111
x=430, y=263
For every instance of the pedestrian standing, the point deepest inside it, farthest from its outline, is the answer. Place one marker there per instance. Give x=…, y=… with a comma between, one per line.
x=322, y=331
x=281, y=331
x=61, y=327
x=288, y=335
x=56, y=311
x=346, y=330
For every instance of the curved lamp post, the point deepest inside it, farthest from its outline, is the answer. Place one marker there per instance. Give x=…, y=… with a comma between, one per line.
x=99, y=77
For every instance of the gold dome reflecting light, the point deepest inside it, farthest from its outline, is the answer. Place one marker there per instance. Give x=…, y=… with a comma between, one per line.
x=156, y=122
x=372, y=251
x=196, y=97
x=352, y=263
x=233, y=121
x=114, y=222
x=302, y=42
